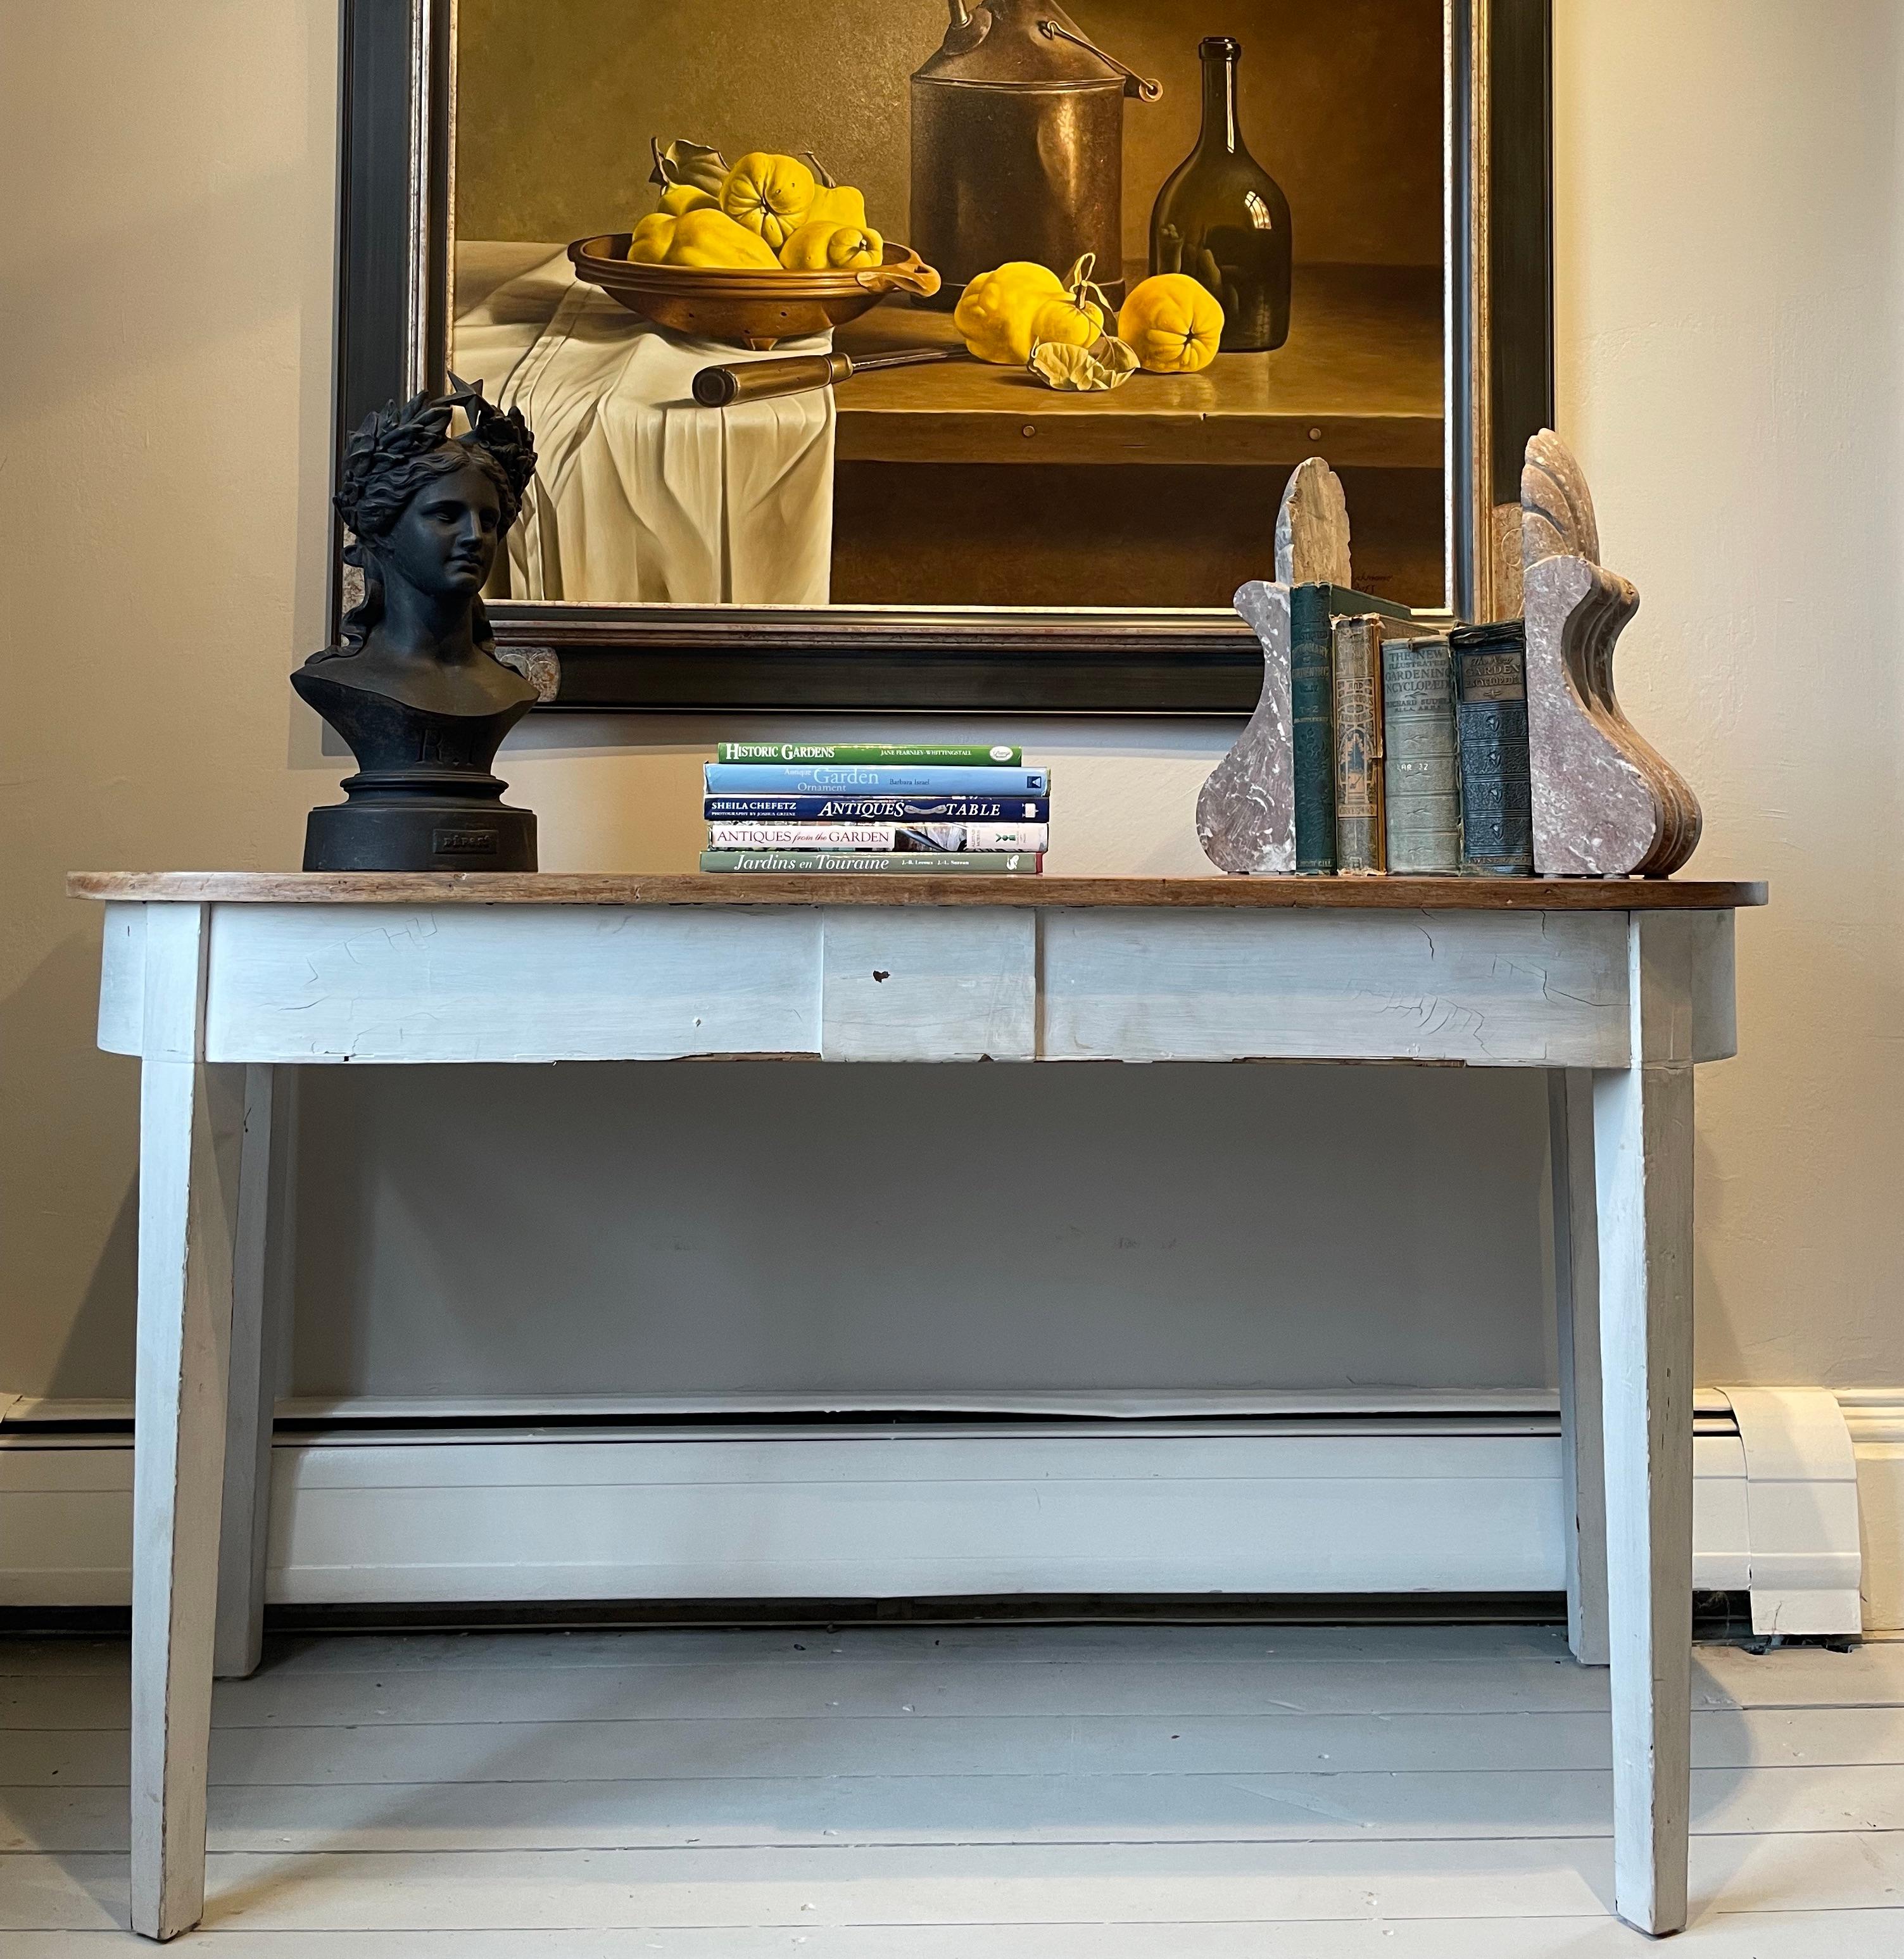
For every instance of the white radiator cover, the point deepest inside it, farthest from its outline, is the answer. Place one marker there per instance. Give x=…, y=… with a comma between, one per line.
x=1421, y=1493
x=1082, y=1493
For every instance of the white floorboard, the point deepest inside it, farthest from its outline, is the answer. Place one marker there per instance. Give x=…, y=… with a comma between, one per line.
x=919, y=1792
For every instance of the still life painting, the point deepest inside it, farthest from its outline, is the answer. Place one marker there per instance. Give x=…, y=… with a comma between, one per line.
x=886, y=303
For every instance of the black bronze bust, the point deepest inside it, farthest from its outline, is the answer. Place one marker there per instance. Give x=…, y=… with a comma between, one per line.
x=416, y=688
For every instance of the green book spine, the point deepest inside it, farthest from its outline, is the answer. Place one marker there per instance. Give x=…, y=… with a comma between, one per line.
x=1312, y=714
x=1358, y=747
x=1423, y=787
x=956, y=755
x=878, y=864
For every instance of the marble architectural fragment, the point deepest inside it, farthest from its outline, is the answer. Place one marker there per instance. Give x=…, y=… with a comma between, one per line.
x=1247, y=813
x=1606, y=803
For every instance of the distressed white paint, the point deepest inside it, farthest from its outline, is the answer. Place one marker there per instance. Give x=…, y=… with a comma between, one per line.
x=377, y=983
x=121, y=978
x=259, y=1305
x=1505, y=988
x=1643, y=1167
x=914, y=984
x=1576, y=1315
x=191, y=1119
x=271, y=984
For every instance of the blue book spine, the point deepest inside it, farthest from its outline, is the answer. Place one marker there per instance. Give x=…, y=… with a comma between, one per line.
x=855, y=779
x=1496, y=779
x=876, y=809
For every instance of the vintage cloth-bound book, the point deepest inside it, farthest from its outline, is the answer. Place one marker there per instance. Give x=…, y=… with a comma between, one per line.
x=1496, y=783
x=1312, y=690
x=1423, y=799
x=1357, y=656
x=1313, y=716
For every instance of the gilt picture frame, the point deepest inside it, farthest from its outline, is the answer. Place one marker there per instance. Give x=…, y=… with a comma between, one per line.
x=397, y=299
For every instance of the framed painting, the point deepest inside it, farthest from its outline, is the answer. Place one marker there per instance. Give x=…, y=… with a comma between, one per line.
x=737, y=271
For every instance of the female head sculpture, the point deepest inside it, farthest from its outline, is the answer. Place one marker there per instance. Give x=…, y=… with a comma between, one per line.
x=415, y=687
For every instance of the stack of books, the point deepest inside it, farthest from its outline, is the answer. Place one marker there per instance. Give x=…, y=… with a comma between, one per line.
x=1411, y=751
x=855, y=809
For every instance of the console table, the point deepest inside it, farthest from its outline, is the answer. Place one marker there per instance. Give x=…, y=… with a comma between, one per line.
x=1615, y=989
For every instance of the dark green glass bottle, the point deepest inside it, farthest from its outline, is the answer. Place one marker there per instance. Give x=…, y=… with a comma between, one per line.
x=1224, y=219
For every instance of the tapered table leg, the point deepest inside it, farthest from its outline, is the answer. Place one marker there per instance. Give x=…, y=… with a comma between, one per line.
x=259, y=1306
x=191, y=1122
x=1643, y=1166
x=1576, y=1318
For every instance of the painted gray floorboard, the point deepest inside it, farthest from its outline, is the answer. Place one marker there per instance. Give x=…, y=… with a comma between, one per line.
x=1002, y=1807
x=932, y=1682
x=1845, y=1935
x=1180, y=1822
x=300, y=1654
x=1286, y=1884
x=845, y=1744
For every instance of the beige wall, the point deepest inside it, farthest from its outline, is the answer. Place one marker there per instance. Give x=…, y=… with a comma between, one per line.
x=1729, y=332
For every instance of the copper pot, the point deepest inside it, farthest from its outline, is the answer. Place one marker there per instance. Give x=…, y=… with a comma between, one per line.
x=1018, y=145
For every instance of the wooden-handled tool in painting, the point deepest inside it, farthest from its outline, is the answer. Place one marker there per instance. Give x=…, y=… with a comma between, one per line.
x=798, y=373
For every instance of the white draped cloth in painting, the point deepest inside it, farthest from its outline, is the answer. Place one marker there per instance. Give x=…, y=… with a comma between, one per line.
x=640, y=494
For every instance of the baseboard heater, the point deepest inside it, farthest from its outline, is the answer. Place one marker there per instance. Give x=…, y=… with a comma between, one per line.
x=495, y=1504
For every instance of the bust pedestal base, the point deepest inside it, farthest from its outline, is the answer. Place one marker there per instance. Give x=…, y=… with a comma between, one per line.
x=383, y=830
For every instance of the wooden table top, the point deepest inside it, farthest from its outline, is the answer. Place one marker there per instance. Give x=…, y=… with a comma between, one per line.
x=1214, y=893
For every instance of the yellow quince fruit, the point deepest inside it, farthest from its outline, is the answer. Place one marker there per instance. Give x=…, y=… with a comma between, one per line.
x=711, y=238
x=678, y=200
x=1076, y=318
x=838, y=204
x=996, y=312
x=653, y=237
x=820, y=245
x=1173, y=322
x=769, y=194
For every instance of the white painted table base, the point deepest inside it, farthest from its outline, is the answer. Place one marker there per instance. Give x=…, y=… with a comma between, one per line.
x=214, y=997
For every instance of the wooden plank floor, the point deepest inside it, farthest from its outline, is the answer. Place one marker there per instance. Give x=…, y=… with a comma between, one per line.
x=1201, y=1792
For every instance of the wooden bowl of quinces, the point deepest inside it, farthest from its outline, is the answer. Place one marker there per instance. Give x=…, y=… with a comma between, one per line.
x=765, y=250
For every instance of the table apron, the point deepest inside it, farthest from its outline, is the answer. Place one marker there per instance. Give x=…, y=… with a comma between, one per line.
x=392, y=984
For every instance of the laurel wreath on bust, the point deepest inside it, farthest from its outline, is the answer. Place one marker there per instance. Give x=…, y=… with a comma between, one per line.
x=381, y=471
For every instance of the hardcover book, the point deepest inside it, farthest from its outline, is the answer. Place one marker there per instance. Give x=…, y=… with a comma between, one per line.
x=1312, y=718
x=1357, y=657
x=1422, y=798
x=953, y=755
x=860, y=778
x=876, y=864
x=1496, y=782
x=875, y=809
x=882, y=836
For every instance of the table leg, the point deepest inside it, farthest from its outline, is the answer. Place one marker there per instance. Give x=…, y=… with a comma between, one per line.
x=258, y=1308
x=191, y=1122
x=1576, y=1316
x=1643, y=1161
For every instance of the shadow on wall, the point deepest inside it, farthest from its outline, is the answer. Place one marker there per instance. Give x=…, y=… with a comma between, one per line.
x=82, y=1177
x=691, y=1227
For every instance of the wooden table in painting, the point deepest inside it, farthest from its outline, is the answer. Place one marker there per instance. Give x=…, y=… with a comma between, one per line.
x=1616, y=990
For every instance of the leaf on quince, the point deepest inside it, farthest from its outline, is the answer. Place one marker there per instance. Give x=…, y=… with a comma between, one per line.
x=681, y=162
x=1106, y=363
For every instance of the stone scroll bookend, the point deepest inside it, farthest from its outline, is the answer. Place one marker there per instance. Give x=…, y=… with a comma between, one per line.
x=1247, y=813
x=1606, y=803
